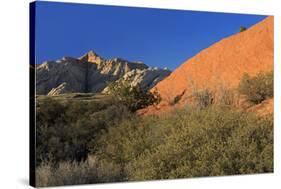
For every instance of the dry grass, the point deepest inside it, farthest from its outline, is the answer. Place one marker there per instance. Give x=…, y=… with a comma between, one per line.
x=68, y=173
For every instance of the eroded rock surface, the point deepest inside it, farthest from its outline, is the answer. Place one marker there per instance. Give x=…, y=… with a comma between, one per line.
x=92, y=73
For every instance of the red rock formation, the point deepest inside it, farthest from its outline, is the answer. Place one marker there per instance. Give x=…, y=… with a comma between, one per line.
x=264, y=108
x=222, y=64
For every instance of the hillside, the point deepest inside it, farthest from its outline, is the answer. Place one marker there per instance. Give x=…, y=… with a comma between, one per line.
x=221, y=65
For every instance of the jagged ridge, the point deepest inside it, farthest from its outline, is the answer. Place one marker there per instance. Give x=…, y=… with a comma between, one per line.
x=89, y=73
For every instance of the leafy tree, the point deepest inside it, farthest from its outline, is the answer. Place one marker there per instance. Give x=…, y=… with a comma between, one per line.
x=133, y=97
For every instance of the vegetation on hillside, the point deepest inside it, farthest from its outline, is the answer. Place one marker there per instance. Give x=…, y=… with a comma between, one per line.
x=242, y=28
x=64, y=130
x=192, y=142
x=257, y=88
x=105, y=141
x=133, y=97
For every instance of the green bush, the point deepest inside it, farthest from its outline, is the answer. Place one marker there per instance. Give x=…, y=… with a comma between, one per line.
x=189, y=143
x=81, y=142
x=242, y=28
x=132, y=97
x=64, y=130
x=257, y=88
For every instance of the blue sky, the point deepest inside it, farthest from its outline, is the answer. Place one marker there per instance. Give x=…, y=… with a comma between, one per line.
x=157, y=37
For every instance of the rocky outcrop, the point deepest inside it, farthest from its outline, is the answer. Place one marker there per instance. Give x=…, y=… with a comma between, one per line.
x=145, y=78
x=92, y=57
x=91, y=73
x=221, y=65
x=51, y=74
x=264, y=108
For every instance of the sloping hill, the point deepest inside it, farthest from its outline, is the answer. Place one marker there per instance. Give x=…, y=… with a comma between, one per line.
x=222, y=64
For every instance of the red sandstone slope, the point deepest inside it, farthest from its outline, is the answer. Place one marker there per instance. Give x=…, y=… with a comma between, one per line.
x=224, y=63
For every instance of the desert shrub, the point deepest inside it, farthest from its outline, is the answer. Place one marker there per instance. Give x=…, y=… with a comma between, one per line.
x=209, y=142
x=225, y=96
x=64, y=130
x=68, y=173
x=128, y=140
x=242, y=28
x=193, y=142
x=83, y=142
x=257, y=88
x=43, y=174
x=128, y=137
x=204, y=98
x=133, y=97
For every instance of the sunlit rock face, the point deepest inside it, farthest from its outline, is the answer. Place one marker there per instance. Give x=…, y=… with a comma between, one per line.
x=92, y=73
x=222, y=65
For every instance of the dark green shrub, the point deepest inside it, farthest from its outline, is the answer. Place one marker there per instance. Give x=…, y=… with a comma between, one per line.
x=257, y=88
x=242, y=28
x=132, y=97
x=64, y=130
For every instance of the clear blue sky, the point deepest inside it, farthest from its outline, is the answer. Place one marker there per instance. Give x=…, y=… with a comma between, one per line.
x=157, y=37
